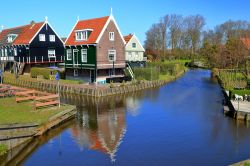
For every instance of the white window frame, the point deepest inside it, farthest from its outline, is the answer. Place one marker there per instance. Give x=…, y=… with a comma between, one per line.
x=11, y=37
x=6, y=52
x=69, y=54
x=42, y=37
x=2, y=52
x=133, y=45
x=84, y=55
x=51, y=53
x=112, y=52
x=81, y=35
x=15, y=51
x=111, y=36
x=52, y=38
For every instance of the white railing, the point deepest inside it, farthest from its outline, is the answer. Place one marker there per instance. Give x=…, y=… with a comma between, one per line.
x=130, y=70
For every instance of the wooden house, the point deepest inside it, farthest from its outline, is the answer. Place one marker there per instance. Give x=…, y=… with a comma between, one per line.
x=134, y=51
x=94, y=50
x=35, y=44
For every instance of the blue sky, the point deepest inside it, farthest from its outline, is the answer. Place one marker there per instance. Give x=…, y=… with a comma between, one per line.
x=132, y=16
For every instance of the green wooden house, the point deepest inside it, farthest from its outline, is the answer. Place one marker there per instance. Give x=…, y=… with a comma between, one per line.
x=95, y=50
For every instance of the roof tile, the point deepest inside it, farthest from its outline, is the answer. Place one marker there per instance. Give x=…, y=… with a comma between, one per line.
x=95, y=24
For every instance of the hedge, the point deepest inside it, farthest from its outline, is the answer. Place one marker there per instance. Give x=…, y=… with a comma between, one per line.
x=146, y=73
x=167, y=68
x=45, y=72
x=239, y=92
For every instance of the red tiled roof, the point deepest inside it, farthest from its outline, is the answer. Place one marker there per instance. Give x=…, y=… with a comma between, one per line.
x=25, y=33
x=127, y=38
x=5, y=32
x=28, y=33
x=95, y=24
x=246, y=41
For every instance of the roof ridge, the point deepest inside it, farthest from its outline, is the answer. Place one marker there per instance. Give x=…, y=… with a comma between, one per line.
x=93, y=18
x=21, y=26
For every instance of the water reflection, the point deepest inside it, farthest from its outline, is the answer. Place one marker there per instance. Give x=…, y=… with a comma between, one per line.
x=101, y=122
x=178, y=124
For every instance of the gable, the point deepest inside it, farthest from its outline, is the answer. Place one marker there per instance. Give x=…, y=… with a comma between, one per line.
x=111, y=18
x=134, y=39
x=47, y=30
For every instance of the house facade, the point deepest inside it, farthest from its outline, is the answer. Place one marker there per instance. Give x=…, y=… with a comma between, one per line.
x=134, y=51
x=35, y=44
x=94, y=50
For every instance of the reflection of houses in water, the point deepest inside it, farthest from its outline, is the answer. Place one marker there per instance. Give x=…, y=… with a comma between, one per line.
x=101, y=129
x=133, y=105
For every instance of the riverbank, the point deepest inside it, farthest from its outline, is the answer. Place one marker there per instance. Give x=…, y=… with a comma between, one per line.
x=239, y=110
x=87, y=89
x=19, y=122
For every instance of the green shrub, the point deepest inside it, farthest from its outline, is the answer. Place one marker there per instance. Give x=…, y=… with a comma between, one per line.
x=239, y=92
x=168, y=67
x=215, y=72
x=3, y=149
x=45, y=72
x=146, y=73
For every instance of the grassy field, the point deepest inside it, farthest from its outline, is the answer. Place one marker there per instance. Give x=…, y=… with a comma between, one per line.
x=12, y=112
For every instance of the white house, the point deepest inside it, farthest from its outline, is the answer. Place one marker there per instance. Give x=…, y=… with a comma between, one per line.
x=134, y=51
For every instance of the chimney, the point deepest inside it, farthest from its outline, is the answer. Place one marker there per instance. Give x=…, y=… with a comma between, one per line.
x=32, y=22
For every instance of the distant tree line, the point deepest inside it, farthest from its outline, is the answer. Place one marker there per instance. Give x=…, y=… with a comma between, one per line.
x=176, y=37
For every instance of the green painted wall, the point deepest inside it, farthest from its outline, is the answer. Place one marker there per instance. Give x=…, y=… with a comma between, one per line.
x=91, y=58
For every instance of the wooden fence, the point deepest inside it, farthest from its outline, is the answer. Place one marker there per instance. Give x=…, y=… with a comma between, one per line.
x=70, y=88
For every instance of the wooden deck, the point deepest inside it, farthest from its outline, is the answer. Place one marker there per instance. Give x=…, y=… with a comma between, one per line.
x=244, y=106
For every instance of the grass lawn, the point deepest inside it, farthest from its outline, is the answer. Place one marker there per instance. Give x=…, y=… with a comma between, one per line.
x=12, y=112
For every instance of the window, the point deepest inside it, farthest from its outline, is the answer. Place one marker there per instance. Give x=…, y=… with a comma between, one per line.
x=69, y=54
x=41, y=37
x=133, y=45
x=82, y=35
x=52, y=38
x=15, y=51
x=84, y=53
x=2, y=52
x=112, y=55
x=6, y=52
x=51, y=53
x=111, y=36
x=11, y=37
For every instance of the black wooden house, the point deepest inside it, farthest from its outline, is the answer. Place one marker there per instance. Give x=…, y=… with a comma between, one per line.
x=35, y=44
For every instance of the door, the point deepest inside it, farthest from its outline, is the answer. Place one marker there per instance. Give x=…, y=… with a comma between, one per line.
x=75, y=58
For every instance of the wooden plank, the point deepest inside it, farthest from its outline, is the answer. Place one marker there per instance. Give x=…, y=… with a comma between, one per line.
x=25, y=98
x=46, y=97
x=47, y=103
x=25, y=93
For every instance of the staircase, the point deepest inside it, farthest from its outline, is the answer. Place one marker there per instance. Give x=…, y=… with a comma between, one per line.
x=20, y=67
x=130, y=71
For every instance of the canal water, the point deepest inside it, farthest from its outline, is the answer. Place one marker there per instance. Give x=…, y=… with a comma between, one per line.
x=181, y=123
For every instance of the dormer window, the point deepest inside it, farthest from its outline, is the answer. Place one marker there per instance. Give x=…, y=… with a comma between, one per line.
x=83, y=34
x=11, y=38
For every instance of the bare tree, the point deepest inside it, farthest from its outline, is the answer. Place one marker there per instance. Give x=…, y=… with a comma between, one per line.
x=194, y=28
